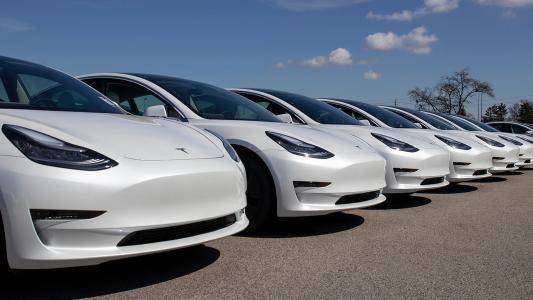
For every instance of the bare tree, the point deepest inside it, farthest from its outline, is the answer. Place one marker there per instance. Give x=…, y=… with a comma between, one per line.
x=451, y=94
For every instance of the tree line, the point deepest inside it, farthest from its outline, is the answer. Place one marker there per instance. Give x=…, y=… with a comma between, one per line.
x=454, y=92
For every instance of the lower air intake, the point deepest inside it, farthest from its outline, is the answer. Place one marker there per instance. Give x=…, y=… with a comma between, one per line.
x=349, y=199
x=434, y=180
x=177, y=232
x=480, y=172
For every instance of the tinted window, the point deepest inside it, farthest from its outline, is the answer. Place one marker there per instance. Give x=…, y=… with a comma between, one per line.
x=271, y=106
x=519, y=129
x=481, y=125
x=318, y=111
x=215, y=103
x=391, y=119
x=30, y=86
x=504, y=127
x=431, y=120
x=460, y=123
x=353, y=113
x=131, y=97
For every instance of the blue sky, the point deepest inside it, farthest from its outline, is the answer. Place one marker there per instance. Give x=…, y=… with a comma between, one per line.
x=373, y=50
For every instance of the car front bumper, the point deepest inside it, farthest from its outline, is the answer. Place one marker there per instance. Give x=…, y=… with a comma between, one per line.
x=135, y=196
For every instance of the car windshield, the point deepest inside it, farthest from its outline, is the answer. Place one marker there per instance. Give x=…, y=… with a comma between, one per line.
x=318, y=111
x=460, y=122
x=25, y=85
x=391, y=119
x=211, y=102
x=431, y=120
x=481, y=125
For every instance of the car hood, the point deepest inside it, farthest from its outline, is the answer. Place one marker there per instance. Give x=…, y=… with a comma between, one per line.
x=250, y=132
x=128, y=136
x=365, y=133
x=430, y=135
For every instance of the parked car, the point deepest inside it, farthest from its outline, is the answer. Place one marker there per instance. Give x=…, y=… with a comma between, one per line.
x=469, y=159
x=504, y=154
x=513, y=127
x=292, y=171
x=412, y=164
x=526, y=146
x=83, y=182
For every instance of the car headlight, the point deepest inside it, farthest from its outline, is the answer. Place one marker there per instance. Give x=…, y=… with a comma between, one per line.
x=490, y=141
x=295, y=146
x=46, y=150
x=526, y=140
x=510, y=140
x=394, y=143
x=453, y=143
x=229, y=148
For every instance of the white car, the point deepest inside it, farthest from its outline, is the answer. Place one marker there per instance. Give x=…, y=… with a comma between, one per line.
x=82, y=182
x=513, y=127
x=522, y=141
x=504, y=154
x=292, y=171
x=412, y=164
x=469, y=159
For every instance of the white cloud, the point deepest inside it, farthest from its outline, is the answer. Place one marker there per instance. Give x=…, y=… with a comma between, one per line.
x=418, y=41
x=315, y=62
x=12, y=25
x=506, y=3
x=280, y=65
x=340, y=56
x=428, y=7
x=305, y=5
x=371, y=75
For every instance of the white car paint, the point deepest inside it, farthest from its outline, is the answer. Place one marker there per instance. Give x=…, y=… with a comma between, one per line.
x=355, y=168
x=429, y=162
x=522, y=141
x=503, y=158
x=57, y=217
x=465, y=165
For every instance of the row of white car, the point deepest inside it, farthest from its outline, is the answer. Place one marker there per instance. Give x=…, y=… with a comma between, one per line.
x=115, y=165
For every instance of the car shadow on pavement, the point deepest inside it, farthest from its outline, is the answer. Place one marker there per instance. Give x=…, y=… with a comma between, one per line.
x=401, y=202
x=511, y=173
x=490, y=179
x=108, y=278
x=453, y=189
x=309, y=226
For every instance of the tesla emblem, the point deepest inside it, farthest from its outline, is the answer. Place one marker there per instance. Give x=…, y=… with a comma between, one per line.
x=182, y=150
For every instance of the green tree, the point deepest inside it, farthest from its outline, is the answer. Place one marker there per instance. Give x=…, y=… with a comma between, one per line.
x=496, y=112
x=525, y=112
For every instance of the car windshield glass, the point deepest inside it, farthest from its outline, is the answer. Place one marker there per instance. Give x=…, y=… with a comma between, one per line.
x=431, y=120
x=391, y=119
x=26, y=85
x=211, y=102
x=460, y=123
x=481, y=125
x=318, y=111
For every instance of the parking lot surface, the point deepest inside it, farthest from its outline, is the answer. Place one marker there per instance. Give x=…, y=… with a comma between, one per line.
x=472, y=240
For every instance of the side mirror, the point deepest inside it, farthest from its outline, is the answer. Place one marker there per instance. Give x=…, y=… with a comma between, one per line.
x=365, y=122
x=285, y=118
x=418, y=125
x=157, y=111
x=529, y=132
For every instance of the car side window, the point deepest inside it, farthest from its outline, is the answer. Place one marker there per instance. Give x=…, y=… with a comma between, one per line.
x=271, y=106
x=354, y=114
x=519, y=129
x=131, y=97
x=497, y=126
x=408, y=117
x=4, y=97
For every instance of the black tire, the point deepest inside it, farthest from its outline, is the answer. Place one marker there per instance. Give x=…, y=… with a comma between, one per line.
x=261, y=195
